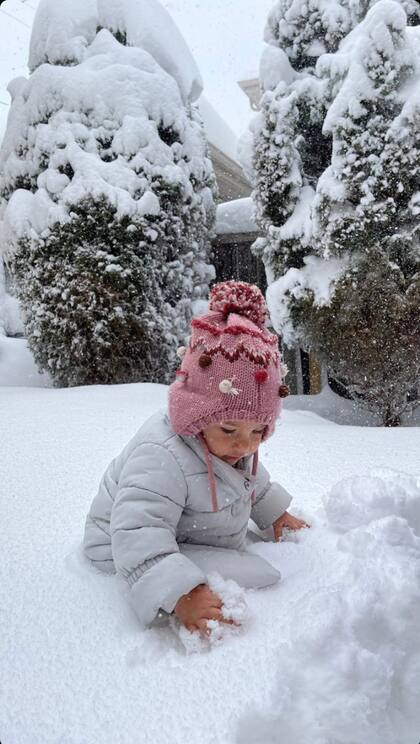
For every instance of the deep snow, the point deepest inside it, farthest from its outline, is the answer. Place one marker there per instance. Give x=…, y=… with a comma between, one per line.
x=329, y=656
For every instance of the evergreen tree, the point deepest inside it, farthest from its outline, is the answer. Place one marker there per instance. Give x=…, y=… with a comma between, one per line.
x=344, y=204
x=107, y=200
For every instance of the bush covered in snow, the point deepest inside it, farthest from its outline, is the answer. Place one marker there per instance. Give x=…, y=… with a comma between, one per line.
x=107, y=192
x=336, y=154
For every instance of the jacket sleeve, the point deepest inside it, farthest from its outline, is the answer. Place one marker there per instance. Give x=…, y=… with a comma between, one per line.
x=97, y=539
x=271, y=501
x=148, y=505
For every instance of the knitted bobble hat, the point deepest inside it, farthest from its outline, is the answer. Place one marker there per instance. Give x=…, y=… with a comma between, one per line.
x=231, y=369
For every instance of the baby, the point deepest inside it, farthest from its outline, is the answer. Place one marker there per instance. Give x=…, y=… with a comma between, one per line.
x=175, y=504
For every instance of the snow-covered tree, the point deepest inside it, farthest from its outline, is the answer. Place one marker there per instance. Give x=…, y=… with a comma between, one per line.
x=337, y=173
x=107, y=192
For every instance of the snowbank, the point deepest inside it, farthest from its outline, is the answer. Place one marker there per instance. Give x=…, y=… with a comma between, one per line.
x=10, y=318
x=17, y=366
x=329, y=655
x=350, y=670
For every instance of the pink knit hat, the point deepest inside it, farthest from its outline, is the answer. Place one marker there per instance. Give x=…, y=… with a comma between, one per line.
x=231, y=369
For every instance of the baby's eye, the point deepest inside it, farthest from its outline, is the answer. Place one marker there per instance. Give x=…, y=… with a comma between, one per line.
x=227, y=431
x=258, y=431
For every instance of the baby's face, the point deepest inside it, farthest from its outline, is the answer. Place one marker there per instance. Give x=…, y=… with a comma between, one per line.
x=232, y=440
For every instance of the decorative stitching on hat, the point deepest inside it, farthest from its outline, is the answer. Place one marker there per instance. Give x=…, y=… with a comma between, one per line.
x=236, y=330
x=206, y=326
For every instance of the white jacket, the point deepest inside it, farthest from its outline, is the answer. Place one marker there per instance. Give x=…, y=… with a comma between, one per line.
x=153, y=510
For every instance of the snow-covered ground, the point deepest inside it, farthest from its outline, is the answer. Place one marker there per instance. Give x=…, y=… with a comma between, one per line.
x=329, y=656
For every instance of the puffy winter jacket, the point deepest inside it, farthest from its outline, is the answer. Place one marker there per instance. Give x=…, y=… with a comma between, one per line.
x=153, y=512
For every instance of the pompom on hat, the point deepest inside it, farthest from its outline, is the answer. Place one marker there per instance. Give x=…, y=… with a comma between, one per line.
x=231, y=368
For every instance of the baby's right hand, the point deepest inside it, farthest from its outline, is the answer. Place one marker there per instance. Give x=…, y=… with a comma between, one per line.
x=197, y=607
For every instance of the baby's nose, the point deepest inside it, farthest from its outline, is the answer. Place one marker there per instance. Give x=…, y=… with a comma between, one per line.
x=242, y=444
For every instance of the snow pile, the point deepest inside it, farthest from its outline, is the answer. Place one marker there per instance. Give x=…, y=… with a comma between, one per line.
x=17, y=365
x=58, y=34
x=235, y=216
x=350, y=671
x=10, y=319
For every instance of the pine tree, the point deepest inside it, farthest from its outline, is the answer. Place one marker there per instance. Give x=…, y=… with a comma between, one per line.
x=349, y=218
x=364, y=211
x=107, y=197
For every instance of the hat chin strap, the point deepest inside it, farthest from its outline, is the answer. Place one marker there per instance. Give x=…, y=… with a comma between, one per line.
x=212, y=480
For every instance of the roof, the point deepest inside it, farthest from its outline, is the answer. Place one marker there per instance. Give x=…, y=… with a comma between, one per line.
x=236, y=217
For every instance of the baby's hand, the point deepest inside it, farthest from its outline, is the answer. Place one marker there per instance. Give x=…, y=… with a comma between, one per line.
x=287, y=521
x=197, y=607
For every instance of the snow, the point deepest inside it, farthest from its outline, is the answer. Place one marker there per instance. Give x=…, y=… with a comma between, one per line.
x=317, y=275
x=275, y=66
x=217, y=130
x=151, y=27
x=15, y=24
x=236, y=216
x=17, y=366
x=245, y=147
x=134, y=90
x=223, y=30
x=60, y=32
x=299, y=225
x=331, y=654
x=372, y=34
x=10, y=318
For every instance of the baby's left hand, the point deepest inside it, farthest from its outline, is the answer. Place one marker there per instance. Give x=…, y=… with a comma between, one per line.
x=289, y=522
